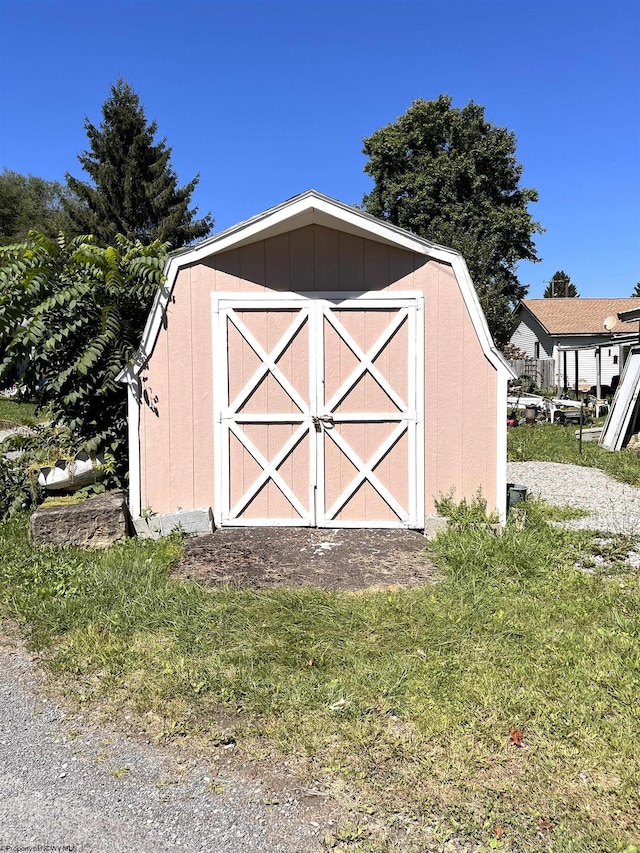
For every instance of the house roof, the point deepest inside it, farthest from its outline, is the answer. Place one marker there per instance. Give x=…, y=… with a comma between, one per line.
x=311, y=207
x=575, y=315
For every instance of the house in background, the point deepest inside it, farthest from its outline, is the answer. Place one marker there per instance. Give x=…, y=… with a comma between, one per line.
x=315, y=366
x=548, y=327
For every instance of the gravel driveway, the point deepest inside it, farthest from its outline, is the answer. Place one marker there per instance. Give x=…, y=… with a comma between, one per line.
x=612, y=506
x=66, y=785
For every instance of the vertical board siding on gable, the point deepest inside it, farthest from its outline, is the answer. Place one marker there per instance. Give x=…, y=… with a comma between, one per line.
x=252, y=267
x=460, y=385
x=351, y=262
x=277, y=263
x=301, y=248
x=326, y=259
x=376, y=265
x=222, y=276
x=401, y=268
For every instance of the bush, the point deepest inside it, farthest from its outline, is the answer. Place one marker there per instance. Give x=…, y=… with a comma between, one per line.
x=71, y=316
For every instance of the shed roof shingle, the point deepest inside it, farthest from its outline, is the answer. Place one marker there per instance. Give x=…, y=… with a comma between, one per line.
x=578, y=316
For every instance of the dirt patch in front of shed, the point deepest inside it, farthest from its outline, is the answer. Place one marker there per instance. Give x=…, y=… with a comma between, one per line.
x=346, y=559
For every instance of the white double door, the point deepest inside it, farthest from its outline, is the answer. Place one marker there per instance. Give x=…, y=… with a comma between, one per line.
x=318, y=412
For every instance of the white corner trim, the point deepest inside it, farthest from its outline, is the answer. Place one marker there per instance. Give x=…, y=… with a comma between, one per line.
x=133, y=425
x=501, y=448
x=219, y=380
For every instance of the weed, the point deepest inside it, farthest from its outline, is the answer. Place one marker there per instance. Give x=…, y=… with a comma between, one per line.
x=118, y=772
x=465, y=513
x=215, y=786
x=551, y=512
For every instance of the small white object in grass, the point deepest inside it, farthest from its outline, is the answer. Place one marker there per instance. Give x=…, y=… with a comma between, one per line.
x=325, y=546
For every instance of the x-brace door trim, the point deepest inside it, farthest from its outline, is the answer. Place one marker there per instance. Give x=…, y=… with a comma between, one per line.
x=316, y=416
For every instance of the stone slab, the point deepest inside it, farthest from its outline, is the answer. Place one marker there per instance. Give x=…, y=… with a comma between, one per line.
x=192, y=521
x=98, y=522
x=434, y=524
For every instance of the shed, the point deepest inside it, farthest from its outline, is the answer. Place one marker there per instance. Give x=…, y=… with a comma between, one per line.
x=315, y=366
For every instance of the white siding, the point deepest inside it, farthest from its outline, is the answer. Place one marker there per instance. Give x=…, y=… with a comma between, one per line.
x=528, y=333
x=587, y=363
x=524, y=338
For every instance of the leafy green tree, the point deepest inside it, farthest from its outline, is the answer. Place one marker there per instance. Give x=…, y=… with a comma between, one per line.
x=72, y=315
x=452, y=177
x=636, y=290
x=27, y=202
x=134, y=189
x=560, y=285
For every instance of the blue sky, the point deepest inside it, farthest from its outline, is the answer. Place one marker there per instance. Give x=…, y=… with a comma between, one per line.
x=267, y=99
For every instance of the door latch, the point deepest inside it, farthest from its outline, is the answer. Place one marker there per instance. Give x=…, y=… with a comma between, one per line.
x=327, y=420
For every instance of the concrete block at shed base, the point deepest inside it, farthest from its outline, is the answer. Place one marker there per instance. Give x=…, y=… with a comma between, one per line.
x=193, y=521
x=434, y=524
x=98, y=522
x=144, y=530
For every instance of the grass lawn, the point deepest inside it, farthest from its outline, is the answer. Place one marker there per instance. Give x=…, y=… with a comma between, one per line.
x=402, y=702
x=552, y=443
x=17, y=412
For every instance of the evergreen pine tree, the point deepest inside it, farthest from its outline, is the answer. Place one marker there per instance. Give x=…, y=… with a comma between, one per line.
x=636, y=290
x=134, y=189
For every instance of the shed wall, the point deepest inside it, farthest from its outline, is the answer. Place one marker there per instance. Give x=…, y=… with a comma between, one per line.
x=176, y=423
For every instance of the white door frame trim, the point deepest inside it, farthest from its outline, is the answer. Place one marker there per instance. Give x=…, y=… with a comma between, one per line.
x=410, y=421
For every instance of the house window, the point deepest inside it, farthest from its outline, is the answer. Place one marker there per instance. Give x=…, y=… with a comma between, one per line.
x=615, y=359
x=536, y=349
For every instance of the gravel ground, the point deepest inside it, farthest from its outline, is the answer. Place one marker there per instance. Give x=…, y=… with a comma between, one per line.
x=612, y=506
x=67, y=785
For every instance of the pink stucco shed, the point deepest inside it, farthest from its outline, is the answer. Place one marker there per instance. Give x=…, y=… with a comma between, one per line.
x=314, y=366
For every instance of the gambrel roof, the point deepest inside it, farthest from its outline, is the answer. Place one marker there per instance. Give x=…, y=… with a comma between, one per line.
x=312, y=208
